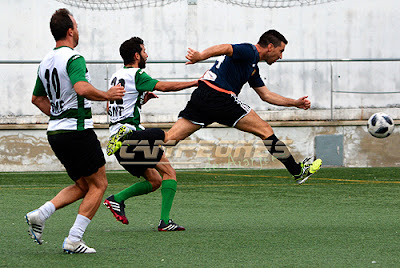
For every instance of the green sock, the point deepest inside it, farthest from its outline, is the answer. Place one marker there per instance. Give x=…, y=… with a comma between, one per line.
x=139, y=188
x=167, y=193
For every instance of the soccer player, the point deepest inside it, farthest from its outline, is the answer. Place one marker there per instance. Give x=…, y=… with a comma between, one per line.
x=63, y=91
x=215, y=99
x=125, y=125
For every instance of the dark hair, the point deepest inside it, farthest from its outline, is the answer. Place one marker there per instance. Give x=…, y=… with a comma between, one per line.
x=60, y=23
x=272, y=36
x=129, y=48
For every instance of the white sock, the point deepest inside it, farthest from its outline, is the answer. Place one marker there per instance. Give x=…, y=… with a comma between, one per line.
x=46, y=210
x=78, y=229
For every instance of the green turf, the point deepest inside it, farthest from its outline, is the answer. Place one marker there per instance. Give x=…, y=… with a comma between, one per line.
x=342, y=217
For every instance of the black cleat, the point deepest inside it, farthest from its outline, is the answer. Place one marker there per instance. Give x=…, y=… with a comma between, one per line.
x=117, y=209
x=171, y=226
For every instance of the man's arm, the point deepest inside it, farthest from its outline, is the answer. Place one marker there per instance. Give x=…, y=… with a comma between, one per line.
x=88, y=91
x=276, y=99
x=174, y=86
x=43, y=103
x=76, y=69
x=195, y=56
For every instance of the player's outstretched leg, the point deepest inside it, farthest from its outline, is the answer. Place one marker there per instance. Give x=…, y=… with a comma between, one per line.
x=252, y=123
x=307, y=169
x=300, y=171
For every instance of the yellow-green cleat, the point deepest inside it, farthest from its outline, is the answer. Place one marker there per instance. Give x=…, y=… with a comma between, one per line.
x=115, y=141
x=307, y=170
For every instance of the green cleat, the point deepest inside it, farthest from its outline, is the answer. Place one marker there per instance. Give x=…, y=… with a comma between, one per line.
x=116, y=140
x=307, y=170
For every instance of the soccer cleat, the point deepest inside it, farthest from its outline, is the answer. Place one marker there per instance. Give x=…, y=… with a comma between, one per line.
x=115, y=141
x=307, y=170
x=171, y=226
x=117, y=209
x=76, y=247
x=36, y=226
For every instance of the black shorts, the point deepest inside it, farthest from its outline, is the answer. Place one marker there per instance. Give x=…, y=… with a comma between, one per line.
x=141, y=150
x=208, y=105
x=79, y=151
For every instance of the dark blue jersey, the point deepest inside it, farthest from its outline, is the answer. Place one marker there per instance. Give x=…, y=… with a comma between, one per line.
x=231, y=73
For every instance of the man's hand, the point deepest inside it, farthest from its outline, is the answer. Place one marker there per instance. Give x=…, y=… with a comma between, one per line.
x=115, y=92
x=193, y=56
x=303, y=103
x=148, y=96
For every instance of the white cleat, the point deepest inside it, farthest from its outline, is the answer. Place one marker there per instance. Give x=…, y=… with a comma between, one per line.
x=36, y=226
x=76, y=247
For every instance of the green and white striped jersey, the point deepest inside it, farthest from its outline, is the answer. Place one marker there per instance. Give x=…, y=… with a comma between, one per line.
x=127, y=111
x=58, y=72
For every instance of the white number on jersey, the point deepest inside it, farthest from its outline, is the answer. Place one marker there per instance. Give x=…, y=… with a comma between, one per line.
x=116, y=107
x=220, y=60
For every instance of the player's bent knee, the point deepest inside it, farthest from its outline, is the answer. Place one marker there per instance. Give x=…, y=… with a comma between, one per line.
x=83, y=187
x=167, y=171
x=102, y=183
x=98, y=183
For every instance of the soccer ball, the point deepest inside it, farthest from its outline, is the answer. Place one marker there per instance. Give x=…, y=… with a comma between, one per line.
x=380, y=125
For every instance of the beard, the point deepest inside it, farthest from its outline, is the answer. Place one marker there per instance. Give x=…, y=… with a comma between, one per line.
x=142, y=63
x=76, y=39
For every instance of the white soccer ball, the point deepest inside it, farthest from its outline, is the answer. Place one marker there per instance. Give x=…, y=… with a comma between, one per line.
x=380, y=125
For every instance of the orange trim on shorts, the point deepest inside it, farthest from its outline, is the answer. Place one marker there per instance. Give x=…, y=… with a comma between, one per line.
x=208, y=83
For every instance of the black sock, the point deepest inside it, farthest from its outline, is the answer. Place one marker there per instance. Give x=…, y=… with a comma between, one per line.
x=150, y=134
x=279, y=150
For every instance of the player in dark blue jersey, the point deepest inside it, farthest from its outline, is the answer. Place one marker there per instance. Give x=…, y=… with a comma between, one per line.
x=232, y=72
x=215, y=100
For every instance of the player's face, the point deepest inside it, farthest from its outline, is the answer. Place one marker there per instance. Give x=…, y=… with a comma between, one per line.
x=274, y=53
x=75, y=32
x=143, y=58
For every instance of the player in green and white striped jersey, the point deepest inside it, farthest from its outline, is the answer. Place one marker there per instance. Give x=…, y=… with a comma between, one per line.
x=63, y=91
x=125, y=124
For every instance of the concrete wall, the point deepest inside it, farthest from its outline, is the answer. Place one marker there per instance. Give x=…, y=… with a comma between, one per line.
x=217, y=147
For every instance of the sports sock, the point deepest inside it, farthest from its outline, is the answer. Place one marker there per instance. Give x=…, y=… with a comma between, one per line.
x=168, y=190
x=46, y=210
x=279, y=150
x=139, y=188
x=78, y=229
